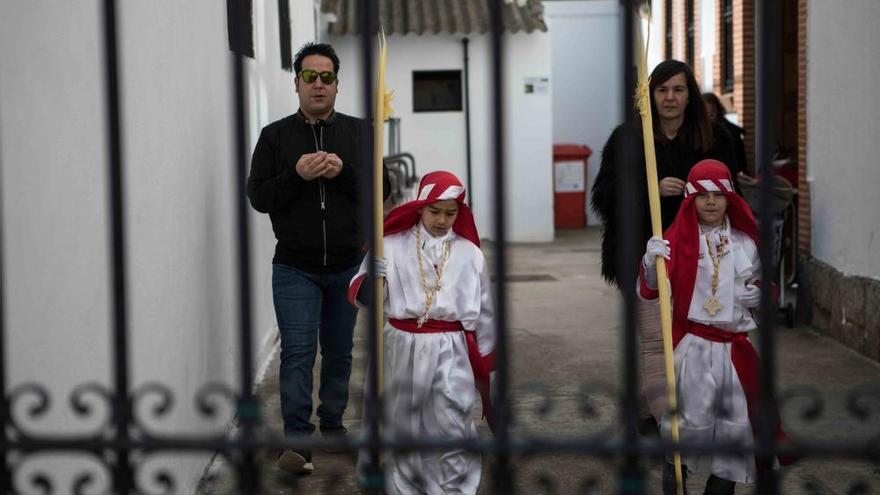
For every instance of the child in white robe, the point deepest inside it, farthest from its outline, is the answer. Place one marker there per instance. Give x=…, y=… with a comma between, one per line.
x=714, y=272
x=439, y=336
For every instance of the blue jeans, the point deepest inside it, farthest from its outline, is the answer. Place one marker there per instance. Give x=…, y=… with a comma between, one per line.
x=310, y=308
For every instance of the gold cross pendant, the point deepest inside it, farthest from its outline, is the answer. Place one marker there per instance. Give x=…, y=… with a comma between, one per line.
x=712, y=306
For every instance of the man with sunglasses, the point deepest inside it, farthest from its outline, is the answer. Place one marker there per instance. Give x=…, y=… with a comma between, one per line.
x=304, y=174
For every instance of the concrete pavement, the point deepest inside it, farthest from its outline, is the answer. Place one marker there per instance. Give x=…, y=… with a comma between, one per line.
x=566, y=343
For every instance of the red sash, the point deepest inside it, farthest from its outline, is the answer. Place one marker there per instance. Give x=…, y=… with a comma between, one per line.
x=481, y=365
x=746, y=363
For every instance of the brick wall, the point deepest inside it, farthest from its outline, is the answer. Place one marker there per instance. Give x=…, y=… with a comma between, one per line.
x=676, y=27
x=678, y=30
x=744, y=72
x=679, y=52
x=661, y=7
x=717, y=82
x=698, y=65
x=742, y=99
x=679, y=33
x=804, y=224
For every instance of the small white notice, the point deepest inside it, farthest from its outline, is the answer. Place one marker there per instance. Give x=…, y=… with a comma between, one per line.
x=535, y=85
x=569, y=176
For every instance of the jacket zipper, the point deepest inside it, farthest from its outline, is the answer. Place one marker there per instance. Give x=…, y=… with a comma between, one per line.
x=323, y=218
x=319, y=145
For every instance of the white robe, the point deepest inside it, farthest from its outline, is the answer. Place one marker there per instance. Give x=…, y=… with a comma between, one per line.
x=429, y=389
x=709, y=394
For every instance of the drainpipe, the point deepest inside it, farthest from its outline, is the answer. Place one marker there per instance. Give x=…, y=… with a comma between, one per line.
x=467, y=123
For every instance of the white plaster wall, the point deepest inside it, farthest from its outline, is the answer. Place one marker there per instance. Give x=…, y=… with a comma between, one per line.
x=843, y=152
x=587, y=76
x=529, y=139
x=654, y=32
x=437, y=139
x=54, y=222
x=179, y=204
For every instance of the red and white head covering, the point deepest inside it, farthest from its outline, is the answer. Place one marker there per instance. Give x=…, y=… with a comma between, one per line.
x=684, y=233
x=435, y=186
x=711, y=176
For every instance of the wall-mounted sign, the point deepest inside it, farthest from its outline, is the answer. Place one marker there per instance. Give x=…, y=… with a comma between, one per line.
x=537, y=85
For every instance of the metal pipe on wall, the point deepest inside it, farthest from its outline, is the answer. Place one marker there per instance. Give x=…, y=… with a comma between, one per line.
x=466, y=86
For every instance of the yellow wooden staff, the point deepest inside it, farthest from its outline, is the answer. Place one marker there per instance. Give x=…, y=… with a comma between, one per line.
x=382, y=109
x=644, y=104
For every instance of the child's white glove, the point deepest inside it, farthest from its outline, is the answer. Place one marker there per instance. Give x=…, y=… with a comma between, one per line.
x=657, y=246
x=381, y=266
x=751, y=297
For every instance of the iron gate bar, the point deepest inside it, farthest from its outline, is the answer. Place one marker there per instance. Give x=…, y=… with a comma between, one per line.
x=765, y=136
x=373, y=410
x=122, y=474
x=248, y=410
x=5, y=472
x=503, y=474
x=631, y=477
x=466, y=83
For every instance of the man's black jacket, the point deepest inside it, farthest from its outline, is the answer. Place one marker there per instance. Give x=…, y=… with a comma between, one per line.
x=314, y=234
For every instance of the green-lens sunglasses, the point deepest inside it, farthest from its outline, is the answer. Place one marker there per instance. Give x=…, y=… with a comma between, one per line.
x=310, y=76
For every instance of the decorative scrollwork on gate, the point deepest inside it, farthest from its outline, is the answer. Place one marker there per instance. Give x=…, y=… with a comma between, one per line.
x=39, y=400
x=93, y=479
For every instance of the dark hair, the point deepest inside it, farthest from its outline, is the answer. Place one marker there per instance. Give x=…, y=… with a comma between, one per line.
x=311, y=48
x=713, y=100
x=697, y=128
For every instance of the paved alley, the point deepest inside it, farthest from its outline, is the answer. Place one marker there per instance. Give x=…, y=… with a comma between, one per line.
x=566, y=341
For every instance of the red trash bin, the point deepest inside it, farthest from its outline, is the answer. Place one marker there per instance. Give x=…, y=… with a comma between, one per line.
x=570, y=185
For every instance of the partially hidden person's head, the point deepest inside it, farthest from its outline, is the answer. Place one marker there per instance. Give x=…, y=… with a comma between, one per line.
x=714, y=108
x=317, y=79
x=675, y=96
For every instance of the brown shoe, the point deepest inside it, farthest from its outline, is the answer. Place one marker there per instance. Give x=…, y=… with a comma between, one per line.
x=296, y=462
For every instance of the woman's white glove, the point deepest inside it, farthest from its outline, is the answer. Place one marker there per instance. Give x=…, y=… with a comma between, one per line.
x=381, y=267
x=657, y=246
x=751, y=296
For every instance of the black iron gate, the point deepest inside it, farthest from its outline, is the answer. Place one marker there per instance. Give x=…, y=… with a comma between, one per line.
x=124, y=438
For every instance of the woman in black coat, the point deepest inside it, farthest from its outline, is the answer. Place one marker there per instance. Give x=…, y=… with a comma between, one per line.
x=683, y=135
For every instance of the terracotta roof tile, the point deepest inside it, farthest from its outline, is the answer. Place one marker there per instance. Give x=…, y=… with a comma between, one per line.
x=436, y=16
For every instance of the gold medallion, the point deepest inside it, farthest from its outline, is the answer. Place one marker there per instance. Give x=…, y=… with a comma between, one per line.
x=712, y=306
